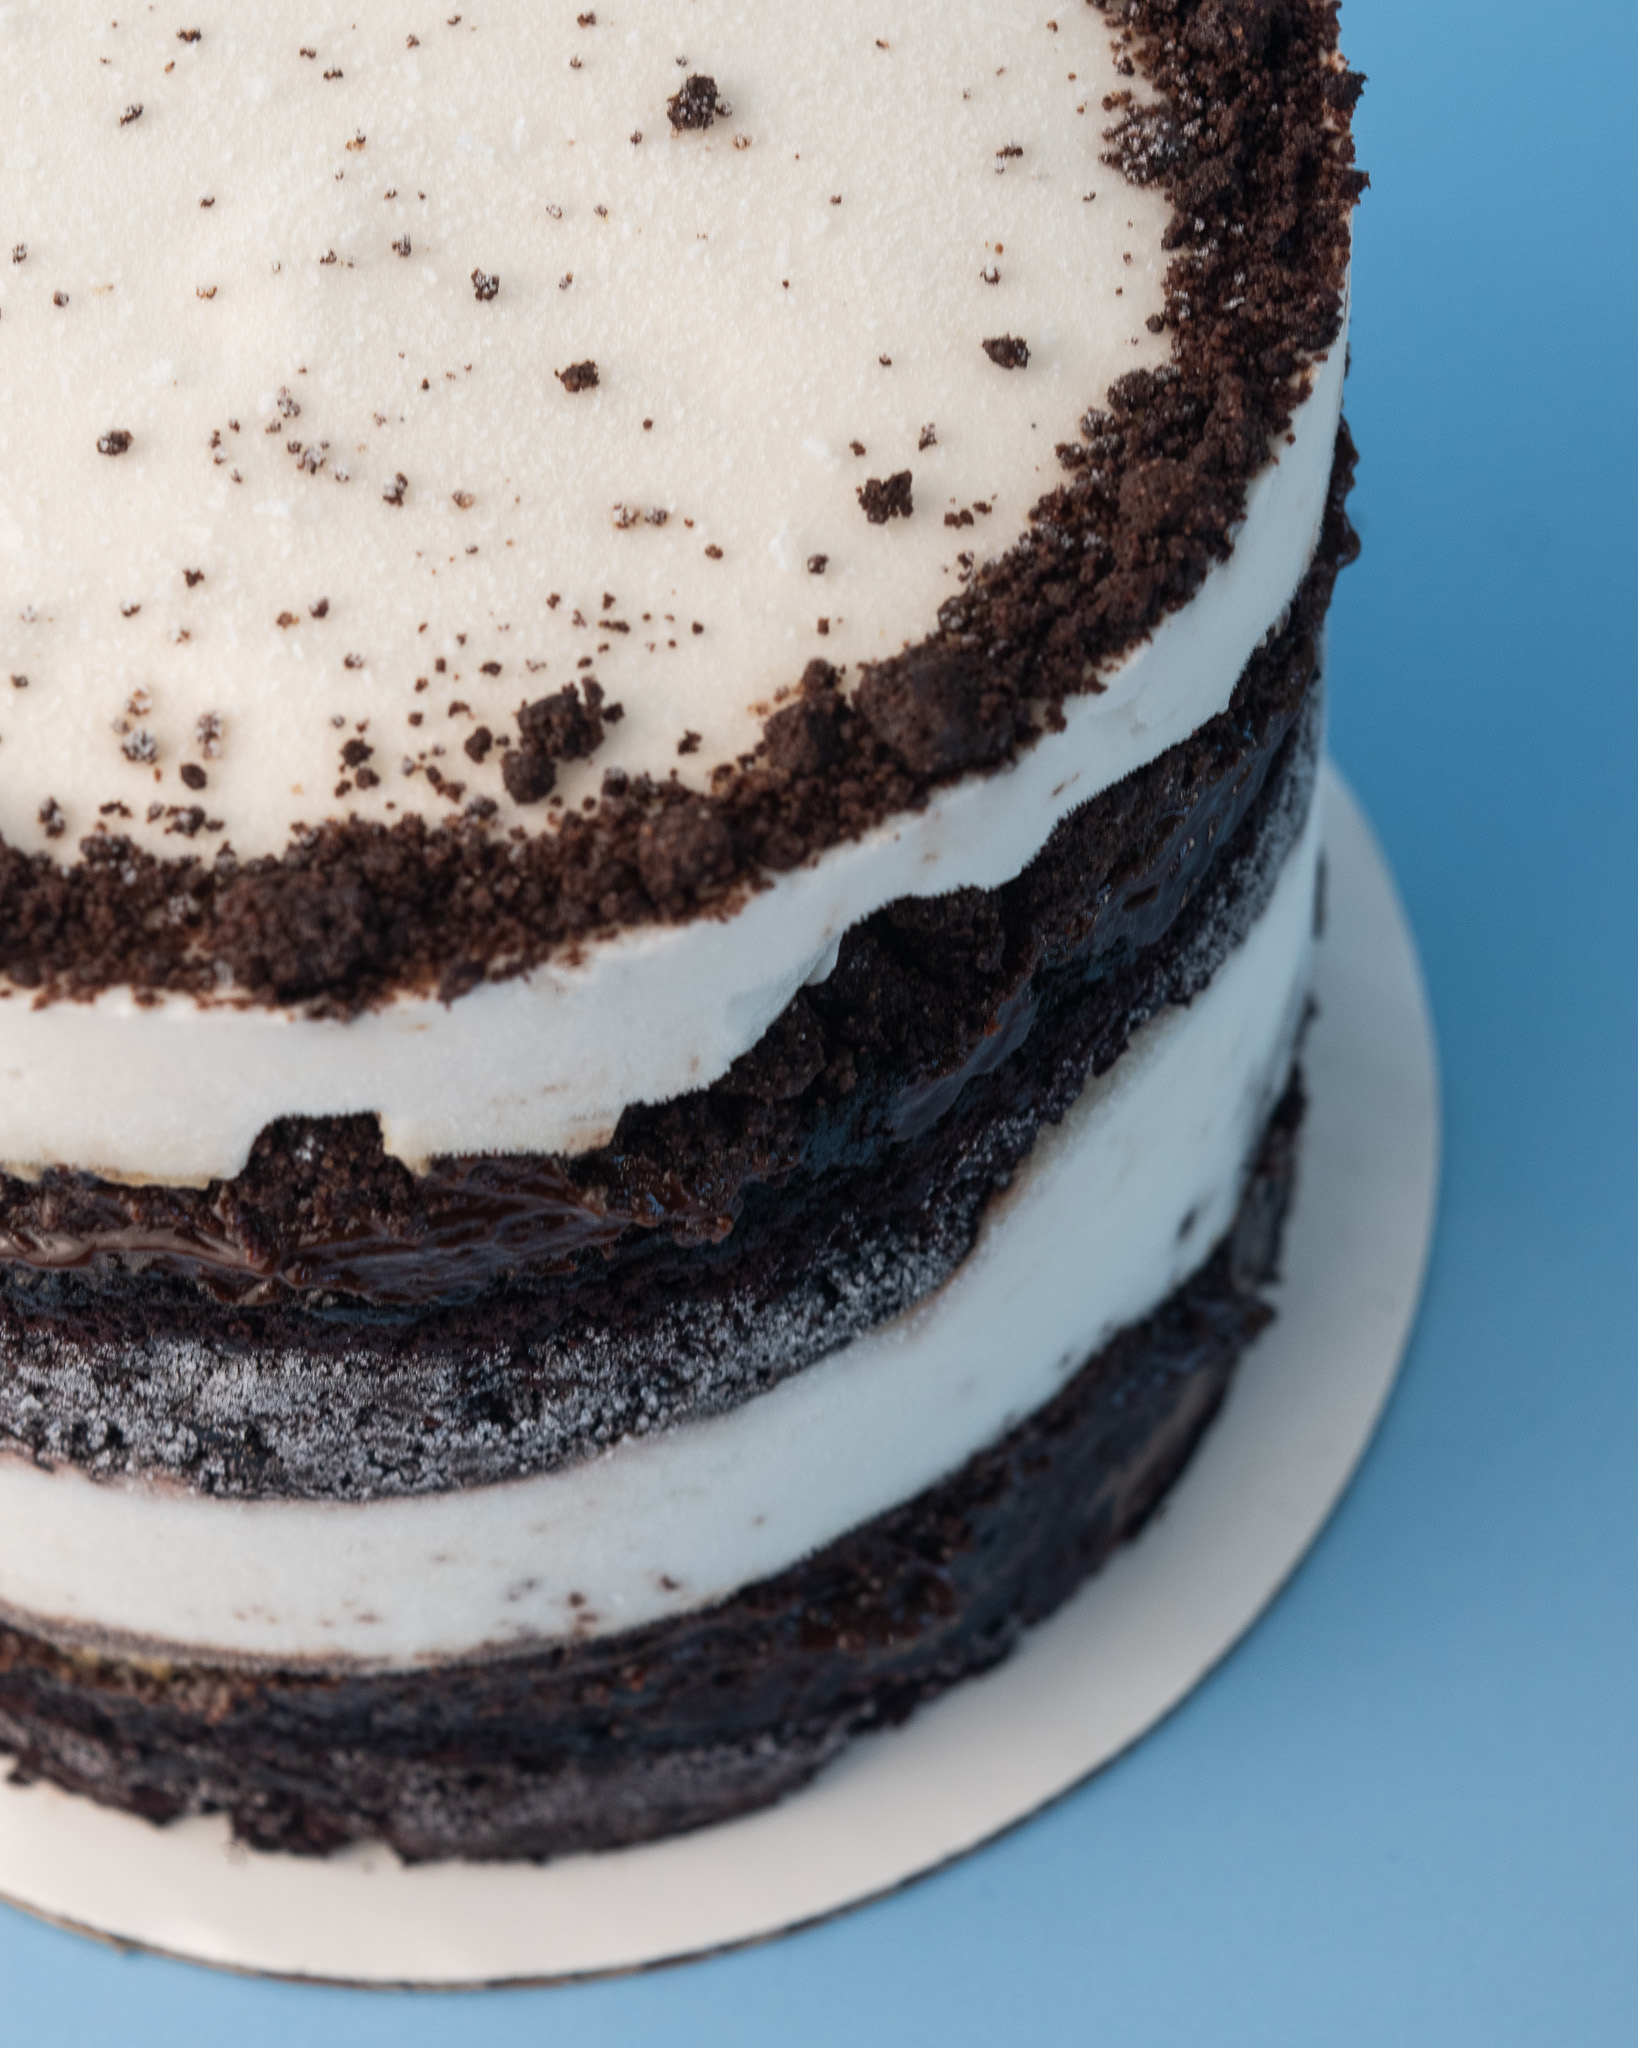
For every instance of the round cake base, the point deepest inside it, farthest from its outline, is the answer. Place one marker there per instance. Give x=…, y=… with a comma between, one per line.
x=1076, y=1693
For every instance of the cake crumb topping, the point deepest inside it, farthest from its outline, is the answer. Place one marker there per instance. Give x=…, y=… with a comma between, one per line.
x=887, y=498
x=1007, y=352
x=697, y=104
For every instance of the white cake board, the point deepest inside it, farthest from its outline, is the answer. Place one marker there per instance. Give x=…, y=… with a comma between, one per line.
x=1077, y=1692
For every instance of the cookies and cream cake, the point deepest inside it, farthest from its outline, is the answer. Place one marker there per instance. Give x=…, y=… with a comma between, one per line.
x=659, y=702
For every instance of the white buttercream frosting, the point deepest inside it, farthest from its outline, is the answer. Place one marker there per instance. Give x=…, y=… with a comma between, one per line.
x=547, y=1062
x=254, y=253
x=1115, y=1208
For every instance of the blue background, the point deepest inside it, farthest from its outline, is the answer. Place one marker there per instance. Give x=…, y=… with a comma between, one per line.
x=1406, y=1810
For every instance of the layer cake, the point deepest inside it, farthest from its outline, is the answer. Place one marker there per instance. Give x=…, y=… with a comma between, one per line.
x=657, y=863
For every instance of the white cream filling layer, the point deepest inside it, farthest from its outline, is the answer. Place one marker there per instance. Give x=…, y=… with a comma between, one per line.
x=1114, y=1209
x=546, y=1063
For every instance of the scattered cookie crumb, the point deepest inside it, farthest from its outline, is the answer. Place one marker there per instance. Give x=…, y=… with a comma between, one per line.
x=885, y=498
x=697, y=104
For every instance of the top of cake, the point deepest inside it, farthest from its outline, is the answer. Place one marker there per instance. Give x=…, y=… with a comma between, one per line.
x=404, y=424
x=362, y=385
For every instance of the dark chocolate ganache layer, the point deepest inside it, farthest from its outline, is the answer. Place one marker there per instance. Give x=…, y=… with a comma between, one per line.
x=691, y=1720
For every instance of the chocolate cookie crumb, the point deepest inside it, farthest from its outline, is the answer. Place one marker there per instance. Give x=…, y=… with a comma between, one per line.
x=683, y=851
x=818, y=564
x=193, y=775
x=887, y=499
x=484, y=287
x=578, y=376
x=529, y=776
x=52, y=818
x=566, y=725
x=697, y=105
x=938, y=709
x=804, y=738
x=114, y=442
x=1007, y=352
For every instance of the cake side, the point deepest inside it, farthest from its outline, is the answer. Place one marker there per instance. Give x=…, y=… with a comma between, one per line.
x=689, y=1721
x=493, y=1320
x=1114, y=1206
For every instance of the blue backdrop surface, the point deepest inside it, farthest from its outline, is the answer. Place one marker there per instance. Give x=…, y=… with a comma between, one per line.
x=1406, y=1809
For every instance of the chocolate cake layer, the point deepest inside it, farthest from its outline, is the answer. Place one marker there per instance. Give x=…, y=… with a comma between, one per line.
x=880, y=1170
x=689, y=1721
x=1245, y=127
